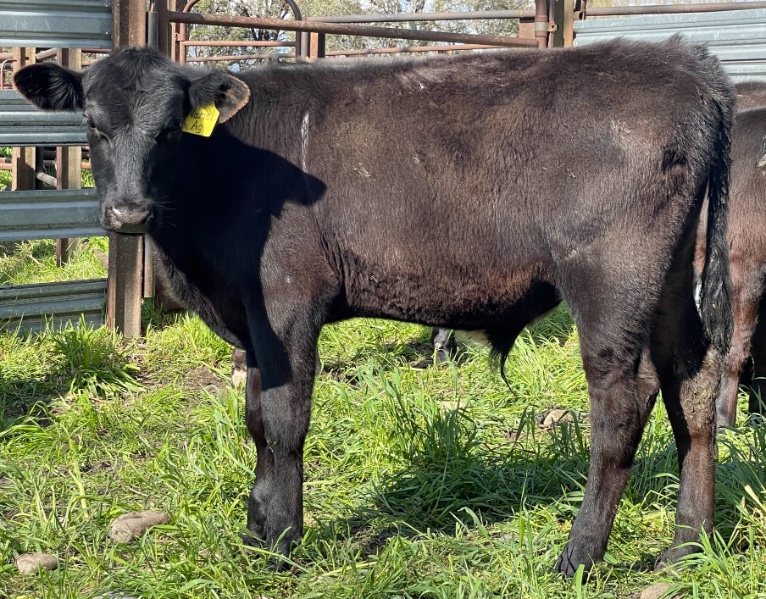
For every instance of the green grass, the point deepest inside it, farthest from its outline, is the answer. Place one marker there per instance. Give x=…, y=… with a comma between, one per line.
x=419, y=483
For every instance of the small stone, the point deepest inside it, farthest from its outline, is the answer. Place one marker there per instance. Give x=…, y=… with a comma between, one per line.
x=555, y=417
x=658, y=590
x=31, y=563
x=132, y=526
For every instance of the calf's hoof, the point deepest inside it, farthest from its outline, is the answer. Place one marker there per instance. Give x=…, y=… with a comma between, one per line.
x=252, y=541
x=672, y=555
x=574, y=556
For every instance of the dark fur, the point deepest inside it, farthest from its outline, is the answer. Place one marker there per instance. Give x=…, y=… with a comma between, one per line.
x=747, y=241
x=472, y=192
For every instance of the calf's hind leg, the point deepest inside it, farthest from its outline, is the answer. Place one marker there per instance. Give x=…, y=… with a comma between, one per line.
x=689, y=370
x=622, y=392
x=757, y=401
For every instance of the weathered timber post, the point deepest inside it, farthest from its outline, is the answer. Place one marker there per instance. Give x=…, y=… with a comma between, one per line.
x=23, y=160
x=68, y=159
x=126, y=252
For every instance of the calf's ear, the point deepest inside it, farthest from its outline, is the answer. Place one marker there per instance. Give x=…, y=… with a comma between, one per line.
x=50, y=86
x=228, y=93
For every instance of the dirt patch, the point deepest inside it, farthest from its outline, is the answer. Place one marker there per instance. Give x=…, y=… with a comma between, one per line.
x=201, y=378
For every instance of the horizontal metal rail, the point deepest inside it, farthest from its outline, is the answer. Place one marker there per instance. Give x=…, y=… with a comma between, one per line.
x=474, y=15
x=49, y=214
x=233, y=44
x=347, y=29
x=34, y=307
x=659, y=9
x=56, y=23
x=21, y=124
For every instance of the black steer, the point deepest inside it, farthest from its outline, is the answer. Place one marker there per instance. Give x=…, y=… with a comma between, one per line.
x=473, y=192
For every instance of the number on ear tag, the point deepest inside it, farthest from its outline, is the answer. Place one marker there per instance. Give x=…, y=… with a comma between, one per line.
x=201, y=121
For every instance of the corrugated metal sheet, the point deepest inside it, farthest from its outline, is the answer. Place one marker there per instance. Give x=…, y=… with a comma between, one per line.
x=737, y=37
x=33, y=307
x=49, y=214
x=21, y=124
x=56, y=23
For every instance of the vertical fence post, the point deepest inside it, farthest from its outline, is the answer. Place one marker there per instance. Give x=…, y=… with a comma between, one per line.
x=126, y=252
x=563, y=13
x=23, y=159
x=68, y=159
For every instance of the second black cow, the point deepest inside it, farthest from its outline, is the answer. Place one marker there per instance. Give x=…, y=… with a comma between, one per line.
x=471, y=192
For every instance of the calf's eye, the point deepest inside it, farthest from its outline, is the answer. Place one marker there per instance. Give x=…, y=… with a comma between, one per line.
x=169, y=132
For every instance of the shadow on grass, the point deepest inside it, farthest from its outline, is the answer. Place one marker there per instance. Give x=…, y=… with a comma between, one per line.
x=453, y=477
x=418, y=351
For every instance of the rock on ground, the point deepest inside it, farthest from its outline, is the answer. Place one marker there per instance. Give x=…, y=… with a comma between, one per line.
x=30, y=563
x=133, y=525
x=656, y=591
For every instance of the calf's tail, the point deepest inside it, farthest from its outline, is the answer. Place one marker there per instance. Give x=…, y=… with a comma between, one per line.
x=715, y=301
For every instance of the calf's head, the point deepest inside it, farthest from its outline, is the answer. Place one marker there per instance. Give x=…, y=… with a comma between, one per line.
x=135, y=103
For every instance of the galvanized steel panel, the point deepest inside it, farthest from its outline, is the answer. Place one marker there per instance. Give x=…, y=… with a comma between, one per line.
x=49, y=214
x=27, y=308
x=22, y=124
x=56, y=23
x=737, y=37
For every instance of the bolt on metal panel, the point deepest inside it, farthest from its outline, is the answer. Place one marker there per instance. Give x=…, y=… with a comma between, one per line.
x=49, y=214
x=22, y=124
x=737, y=37
x=27, y=308
x=56, y=24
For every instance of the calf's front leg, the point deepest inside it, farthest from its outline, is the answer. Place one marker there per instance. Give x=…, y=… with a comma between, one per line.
x=278, y=414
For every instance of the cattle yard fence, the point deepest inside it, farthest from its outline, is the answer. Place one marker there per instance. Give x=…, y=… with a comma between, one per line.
x=734, y=31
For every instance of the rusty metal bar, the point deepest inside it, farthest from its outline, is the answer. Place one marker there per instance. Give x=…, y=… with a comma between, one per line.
x=345, y=29
x=426, y=16
x=235, y=57
x=253, y=44
x=410, y=50
x=340, y=53
x=541, y=23
x=163, y=26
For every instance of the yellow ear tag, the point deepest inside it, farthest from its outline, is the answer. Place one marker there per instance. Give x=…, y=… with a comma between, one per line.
x=201, y=121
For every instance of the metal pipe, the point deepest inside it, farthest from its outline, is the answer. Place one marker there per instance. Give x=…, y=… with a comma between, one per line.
x=409, y=49
x=163, y=26
x=345, y=29
x=2, y=71
x=427, y=16
x=223, y=43
x=235, y=58
x=190, y=4
x=541, y=23
x=152, y=33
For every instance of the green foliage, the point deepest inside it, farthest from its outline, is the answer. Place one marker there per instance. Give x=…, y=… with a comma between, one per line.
x=427, y=483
